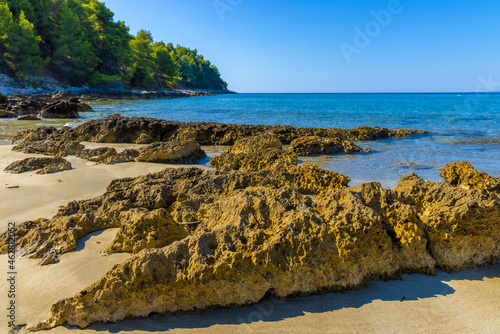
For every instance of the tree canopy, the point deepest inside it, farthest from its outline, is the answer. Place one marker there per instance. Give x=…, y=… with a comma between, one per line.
x=78, y=43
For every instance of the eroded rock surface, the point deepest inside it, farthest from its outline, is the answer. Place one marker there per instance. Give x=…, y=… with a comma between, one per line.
x=60, y=109
x=317, y=145
x=183, y=152
x=249, y=162
x=464, y=175
x=206, y=239
x=256, y=143
x=107, y=155
x=141, y=130
x=41, y=165
x=49, y=147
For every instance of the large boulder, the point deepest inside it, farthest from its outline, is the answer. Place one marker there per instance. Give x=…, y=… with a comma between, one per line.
x=248, y=162
x=60, y=109
x=182, y=152
x=41, y=165
x=317, y=145
x=256, y=143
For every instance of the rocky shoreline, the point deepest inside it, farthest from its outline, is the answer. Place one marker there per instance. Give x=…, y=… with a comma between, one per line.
x=258, y=225
x=68, y=104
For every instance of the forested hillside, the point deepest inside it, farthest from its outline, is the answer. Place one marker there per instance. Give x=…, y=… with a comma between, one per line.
x=78, y=43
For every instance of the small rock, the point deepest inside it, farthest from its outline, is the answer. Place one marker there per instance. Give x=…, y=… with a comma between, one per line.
x=30, y=117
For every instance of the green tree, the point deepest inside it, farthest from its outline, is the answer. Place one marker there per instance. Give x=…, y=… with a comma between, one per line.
x=22, y=51
x=6, y=22
x=166, y=70
x=73, y=55
x=142, y=68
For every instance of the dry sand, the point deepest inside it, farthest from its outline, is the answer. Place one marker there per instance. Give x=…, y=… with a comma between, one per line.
x=466, y=302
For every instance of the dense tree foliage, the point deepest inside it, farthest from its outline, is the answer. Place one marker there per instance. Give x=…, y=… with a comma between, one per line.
x=78, y=42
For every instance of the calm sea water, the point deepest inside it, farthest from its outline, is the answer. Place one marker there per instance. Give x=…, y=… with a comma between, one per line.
x=461, y=126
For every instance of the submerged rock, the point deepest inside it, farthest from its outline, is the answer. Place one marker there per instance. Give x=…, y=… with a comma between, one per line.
x=30, y=117
x=182, y=152
x=317, y=145
x=249, y=162
x=41, y=165
x=286, y=231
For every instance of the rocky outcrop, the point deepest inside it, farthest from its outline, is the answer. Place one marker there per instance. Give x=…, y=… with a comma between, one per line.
x=206, y=239
x=182, y=152
x=41, y=165
x=49, y=147
x=107, y=155
x=60, y=109
x=143, y=130
x=316, y=145
x=462, y=225
x=464, y=175
x=249, y=162
x=256, y=143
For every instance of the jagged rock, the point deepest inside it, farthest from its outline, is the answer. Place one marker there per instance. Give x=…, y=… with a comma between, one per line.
x=172, y=188
x=3, y=99
x=146, y=229
x=317, y=145
x=28, y=118
x=84, y=107
x=74, y=99
x=107, y=155
x=49, y=147
x=100, y=154
x=183, y=152
x=256, y=143
x=43, y=165
x=248, y=162
x=462, y=225
x=464, y=175
x=61, y=94
x=7, y=114
x=141, y=130
x=60, y=109
x=293, y=231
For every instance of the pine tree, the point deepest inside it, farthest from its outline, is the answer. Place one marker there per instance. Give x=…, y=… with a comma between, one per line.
x=166, y=71
x=143, y=63
x=6, y=22
x=73, y=56
x=23, y=53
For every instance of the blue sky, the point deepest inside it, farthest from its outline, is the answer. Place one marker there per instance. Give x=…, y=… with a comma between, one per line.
x=332, y=46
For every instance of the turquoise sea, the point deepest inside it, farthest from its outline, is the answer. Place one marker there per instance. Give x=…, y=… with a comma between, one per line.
x=461, y=126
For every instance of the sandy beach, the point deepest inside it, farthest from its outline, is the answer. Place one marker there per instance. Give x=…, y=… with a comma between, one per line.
x=465, y=302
